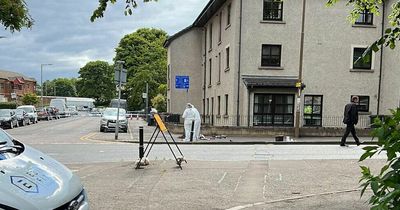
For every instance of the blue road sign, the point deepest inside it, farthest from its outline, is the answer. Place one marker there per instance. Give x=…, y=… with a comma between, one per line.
x=182, y=82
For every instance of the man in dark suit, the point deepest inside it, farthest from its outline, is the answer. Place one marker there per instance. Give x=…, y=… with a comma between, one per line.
x=350, y=119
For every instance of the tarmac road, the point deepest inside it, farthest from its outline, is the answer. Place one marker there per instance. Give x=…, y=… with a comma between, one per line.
x=214, y=177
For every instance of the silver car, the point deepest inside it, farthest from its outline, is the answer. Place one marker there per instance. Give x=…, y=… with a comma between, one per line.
x=109, y=120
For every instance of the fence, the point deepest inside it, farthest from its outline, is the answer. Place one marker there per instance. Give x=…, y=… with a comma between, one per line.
x=364, y=121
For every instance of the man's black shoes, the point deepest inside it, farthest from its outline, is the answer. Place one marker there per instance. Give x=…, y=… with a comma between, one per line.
x=344, y=145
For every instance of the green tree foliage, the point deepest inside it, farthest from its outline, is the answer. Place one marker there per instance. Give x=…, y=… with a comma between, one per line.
x=159, y=103
x=14, y=15
x=60, y=87
x=385, y=185
x=392, y=33
x=146, y=60
x=30, y=99
x=96, y=81
x=99, y=12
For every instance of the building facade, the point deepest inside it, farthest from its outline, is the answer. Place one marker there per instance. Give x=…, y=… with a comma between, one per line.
x=14, y=85
x=243, y=61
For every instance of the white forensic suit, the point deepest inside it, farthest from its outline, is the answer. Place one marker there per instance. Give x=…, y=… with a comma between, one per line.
x=197, y=123
x=189, y=116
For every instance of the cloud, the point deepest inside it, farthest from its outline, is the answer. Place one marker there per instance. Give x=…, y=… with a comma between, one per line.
x=64, y=36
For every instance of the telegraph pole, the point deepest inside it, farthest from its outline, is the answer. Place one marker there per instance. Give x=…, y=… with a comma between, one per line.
x=300, y=78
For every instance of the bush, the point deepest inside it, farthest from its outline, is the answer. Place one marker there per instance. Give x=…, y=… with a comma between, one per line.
x=30, y=99
x=386, y=185
x=8, y=105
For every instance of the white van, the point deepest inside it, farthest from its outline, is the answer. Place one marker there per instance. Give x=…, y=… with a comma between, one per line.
x=31, y=111
x=61, y=106
x=32, y=180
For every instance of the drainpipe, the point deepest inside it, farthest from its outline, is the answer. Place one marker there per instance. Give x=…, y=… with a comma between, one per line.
x=204, y=74
x=240, y=54
x=381, y=60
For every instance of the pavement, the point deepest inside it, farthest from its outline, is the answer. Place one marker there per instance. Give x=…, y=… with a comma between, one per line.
x=133, y=137
x=233, y=185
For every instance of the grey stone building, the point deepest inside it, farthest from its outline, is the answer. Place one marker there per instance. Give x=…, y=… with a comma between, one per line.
x=243, y=61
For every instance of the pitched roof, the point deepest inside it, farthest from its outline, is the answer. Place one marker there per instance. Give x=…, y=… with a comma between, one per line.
x=9, y=75
x=209, y=10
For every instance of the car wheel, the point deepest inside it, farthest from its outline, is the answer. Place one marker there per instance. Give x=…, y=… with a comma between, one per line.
x=101, y=129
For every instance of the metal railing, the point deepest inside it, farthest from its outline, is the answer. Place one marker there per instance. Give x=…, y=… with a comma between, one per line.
x=364, y=121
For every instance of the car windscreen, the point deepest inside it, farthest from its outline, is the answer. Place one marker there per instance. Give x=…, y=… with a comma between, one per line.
x=27, y=109
x=5, y=112
x=113, y=112
x=19, y=111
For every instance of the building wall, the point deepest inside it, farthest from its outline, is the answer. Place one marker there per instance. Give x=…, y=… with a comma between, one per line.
x=327, y=64
x=185, y=59
x=390, y=89
x=227, y=84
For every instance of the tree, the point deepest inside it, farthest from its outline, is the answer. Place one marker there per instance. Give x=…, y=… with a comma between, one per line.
x=99, y=12
x=146, y=60
x=30, y=99
x=96, y=81
x=159, y=103
x=14, y=15
x=392, y=34
x=60, y=87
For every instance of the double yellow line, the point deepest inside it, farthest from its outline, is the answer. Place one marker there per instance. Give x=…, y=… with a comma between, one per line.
x=87, y=137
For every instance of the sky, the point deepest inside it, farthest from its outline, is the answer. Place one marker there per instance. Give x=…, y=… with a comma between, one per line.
x=64, y=36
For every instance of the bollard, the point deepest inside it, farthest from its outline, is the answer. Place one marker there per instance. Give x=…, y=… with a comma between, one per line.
x=192, y=131
x=141, y=151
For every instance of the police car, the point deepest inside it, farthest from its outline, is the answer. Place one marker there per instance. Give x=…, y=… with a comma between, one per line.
x=30, y=179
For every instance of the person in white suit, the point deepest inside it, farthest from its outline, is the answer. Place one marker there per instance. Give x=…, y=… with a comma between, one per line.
x=197, y=123
x=189, y=116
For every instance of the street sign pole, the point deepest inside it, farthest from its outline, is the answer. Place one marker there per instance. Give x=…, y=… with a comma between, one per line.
x=119, y=71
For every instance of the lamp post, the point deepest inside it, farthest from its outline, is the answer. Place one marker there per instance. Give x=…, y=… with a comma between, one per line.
x=41, y=80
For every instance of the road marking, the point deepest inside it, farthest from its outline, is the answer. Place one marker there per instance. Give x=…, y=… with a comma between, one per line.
x=88, y=138
x=291, y=199
x=237, y=183
x=222, y=178
x=265, y=186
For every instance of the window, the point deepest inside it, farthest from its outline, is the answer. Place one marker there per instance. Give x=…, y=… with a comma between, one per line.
x=220, y=27
x=273, y=109
x=2, y=86
x=219, y=105
x=219, y=67
x=228, y=17
x=358, y=62
x=210, y=33
x=273, y=10
x=313, y=110
x=226, y=104
x=271, y=55
x=363, y=103
x=227, y=57
x=209, y=76
x=366, y=18
x=208, y=106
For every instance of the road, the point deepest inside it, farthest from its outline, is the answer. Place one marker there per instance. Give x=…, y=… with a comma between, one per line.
x=215, y=177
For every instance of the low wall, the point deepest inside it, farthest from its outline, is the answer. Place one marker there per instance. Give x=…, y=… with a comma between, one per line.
x=268, y=131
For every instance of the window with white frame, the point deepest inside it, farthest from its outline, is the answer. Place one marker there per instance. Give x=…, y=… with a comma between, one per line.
x=273, y=10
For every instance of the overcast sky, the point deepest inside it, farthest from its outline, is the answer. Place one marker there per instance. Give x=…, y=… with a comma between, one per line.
x=64, y=36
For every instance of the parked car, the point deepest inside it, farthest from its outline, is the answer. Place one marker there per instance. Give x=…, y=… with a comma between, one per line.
x=22, y=117
x=31, y=110
x=109, y=119
x=59, y=103
x=53, y=112
x=33, y=180
x=8, y=118
x=44, y=114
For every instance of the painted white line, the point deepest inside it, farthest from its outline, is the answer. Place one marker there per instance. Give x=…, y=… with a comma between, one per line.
x=237, y=183
x=291, y=199
x=222, y=178
x=280, y=177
